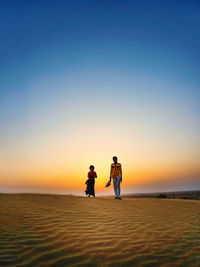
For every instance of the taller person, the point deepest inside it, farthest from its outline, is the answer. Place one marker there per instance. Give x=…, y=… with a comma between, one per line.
x=116, y=175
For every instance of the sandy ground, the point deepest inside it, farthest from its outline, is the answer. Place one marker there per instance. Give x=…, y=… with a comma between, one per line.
x=51, y=230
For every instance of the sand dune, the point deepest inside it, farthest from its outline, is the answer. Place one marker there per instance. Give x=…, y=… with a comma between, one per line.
x=51, y=230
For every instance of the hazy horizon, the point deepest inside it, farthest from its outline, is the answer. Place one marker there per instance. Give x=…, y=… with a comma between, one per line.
x=185, y=185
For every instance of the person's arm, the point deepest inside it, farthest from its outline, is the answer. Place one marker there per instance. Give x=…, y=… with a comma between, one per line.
x=121, y=172
x=110, y=172
x=95, y=176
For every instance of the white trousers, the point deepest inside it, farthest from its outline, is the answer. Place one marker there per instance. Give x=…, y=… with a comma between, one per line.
x=116, y=184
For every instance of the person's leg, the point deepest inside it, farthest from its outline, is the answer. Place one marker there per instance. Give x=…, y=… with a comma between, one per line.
x=115, y=186
x=94, y=189
x=118, y=186
x=89, y=188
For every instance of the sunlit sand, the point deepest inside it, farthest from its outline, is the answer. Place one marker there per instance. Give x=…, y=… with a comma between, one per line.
x=52, y=230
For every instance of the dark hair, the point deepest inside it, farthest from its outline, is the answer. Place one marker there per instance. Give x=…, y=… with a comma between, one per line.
x=114, y=157
x=91, y=167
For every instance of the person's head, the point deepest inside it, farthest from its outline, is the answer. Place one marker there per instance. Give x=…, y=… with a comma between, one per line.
x=91, y=167
x=115, y=159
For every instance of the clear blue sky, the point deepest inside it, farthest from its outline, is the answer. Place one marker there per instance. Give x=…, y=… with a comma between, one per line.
x=68, y=64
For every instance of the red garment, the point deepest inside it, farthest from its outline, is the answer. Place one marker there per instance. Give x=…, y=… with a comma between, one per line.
x=92, y=175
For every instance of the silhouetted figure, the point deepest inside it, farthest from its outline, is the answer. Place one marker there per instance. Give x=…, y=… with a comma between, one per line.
x=91, y=182
x=116, y=175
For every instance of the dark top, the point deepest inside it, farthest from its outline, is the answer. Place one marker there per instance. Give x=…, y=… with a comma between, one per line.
x=92, y=175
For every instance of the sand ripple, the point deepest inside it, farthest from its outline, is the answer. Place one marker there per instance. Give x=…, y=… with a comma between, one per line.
x=48, y=230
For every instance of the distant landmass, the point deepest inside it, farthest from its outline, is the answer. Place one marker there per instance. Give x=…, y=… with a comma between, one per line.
x=192, y=194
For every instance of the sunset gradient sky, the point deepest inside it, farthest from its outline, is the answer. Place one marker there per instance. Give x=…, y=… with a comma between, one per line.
x=84, y=80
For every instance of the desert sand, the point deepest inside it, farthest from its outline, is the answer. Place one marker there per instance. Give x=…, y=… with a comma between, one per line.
x=53, y=230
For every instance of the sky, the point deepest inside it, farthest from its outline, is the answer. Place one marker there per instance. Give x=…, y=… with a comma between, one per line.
x=82, y=81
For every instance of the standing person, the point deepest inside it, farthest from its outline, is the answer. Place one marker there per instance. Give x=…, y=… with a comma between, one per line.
x=91, y=182
x=116, y=175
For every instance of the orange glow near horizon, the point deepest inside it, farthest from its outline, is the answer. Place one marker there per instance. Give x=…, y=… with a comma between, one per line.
x=55, y=172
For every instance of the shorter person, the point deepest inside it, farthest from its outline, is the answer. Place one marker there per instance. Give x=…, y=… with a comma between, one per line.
x=91, y=182
x=116, y=175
